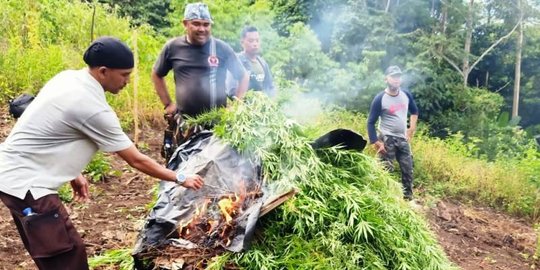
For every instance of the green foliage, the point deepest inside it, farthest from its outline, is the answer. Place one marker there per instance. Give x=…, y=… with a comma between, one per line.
x=336, y=221
x=334, y=118
x=99, y=168
x=448, y=167
x=474, y=112
x=41, y=38
x=65, y=192
x=120, y=258
x=152, y=12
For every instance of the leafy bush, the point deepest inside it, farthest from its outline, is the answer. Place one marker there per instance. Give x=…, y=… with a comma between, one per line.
x=98, y=168
x=38, y=39
x=448, y=168
x=65, y=192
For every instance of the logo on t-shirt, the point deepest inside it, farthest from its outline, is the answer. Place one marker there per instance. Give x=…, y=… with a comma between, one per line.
x=397, y=107
x=213, y=61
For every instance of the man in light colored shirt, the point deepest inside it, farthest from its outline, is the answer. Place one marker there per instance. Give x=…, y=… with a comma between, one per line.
x=391, y=107
x=54, y=140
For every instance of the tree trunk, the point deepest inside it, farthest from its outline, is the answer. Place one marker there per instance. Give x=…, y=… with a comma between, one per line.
x=468, y=40
x=387, y=6
x=444, y=19
x=442, y=24
x=517, y=71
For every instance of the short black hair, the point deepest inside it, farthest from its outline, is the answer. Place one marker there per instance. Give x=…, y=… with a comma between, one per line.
x=248, y=29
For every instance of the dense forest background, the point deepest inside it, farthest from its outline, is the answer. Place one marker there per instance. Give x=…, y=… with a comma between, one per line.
x=470, y=64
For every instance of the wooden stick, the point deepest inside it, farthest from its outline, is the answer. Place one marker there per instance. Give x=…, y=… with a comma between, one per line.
x=135, y=89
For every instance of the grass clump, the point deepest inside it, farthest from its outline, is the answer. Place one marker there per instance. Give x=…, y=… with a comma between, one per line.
x=445, y=167
x=118, y=257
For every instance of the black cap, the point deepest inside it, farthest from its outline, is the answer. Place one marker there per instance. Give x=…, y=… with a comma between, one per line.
x=109, y=52
x=392, y=70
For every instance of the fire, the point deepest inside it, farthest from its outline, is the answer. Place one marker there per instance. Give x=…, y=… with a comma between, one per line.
x=214, y=218
x=226, y=207
x=197, y=215
x=231, y=206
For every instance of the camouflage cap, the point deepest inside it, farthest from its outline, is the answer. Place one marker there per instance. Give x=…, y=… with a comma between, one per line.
x=197, y=11
x=392, y=70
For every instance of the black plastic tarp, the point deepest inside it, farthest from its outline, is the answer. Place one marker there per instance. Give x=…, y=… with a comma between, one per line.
x=225, y=173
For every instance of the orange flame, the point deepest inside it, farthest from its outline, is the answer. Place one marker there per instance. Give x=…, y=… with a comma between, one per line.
x=227, y=207
x=190, y=224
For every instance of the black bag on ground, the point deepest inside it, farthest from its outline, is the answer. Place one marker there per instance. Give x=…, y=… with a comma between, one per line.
x=19, y=104
x=347, y=139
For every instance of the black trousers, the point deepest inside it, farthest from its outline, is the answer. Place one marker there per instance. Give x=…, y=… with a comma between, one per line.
x=49, y=235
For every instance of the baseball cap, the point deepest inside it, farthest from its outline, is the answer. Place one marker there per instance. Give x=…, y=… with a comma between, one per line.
x=197, y=11
x=392, y=70
x=109, y=52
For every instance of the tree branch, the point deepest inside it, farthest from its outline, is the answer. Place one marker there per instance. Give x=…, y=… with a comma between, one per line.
x=501, y=88
x=488, y=50
x=454, y=65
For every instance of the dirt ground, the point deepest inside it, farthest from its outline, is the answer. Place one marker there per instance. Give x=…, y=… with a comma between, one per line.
x=473, y=237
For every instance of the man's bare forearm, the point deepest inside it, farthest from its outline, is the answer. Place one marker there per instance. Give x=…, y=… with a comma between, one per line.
x=161, y=88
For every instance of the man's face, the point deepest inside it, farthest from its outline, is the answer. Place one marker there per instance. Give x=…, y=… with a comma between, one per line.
x=251, y=43
x=393, y=81
x=113, y=80
x=198, y=31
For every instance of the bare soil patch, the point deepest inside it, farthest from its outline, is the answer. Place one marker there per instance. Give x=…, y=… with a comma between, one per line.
x=481, y=238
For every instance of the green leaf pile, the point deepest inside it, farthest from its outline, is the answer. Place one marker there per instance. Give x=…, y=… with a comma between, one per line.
x=348, y=214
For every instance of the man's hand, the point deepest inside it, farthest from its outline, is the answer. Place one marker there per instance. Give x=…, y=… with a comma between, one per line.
x=170, y=110
x=80, y=189
x=379, y=147
x=410, y=134
x=193, y=181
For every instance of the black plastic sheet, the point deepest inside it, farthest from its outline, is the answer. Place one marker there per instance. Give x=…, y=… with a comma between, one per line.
x=225, y=173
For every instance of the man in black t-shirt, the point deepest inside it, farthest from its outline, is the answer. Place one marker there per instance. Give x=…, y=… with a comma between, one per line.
x=200, y=64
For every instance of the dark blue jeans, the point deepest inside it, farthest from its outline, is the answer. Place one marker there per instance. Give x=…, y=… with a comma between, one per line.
x=399, y=149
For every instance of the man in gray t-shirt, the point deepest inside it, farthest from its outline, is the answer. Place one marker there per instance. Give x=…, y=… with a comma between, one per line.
x=200, y=64
x=390, y=107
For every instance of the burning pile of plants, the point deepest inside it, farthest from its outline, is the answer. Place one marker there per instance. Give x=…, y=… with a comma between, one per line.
x=348, y=213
